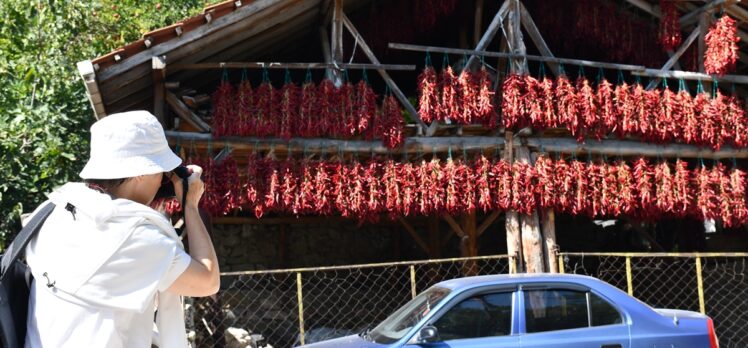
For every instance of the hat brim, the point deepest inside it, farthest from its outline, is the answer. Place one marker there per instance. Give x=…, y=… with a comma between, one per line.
x=119, y=168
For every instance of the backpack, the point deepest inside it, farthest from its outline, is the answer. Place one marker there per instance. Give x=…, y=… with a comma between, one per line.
x=15, y=283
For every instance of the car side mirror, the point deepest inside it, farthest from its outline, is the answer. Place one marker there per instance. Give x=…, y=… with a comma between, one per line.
x=429, y=334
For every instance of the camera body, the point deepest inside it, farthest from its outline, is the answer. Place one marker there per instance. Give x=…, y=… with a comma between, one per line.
x=167, y=190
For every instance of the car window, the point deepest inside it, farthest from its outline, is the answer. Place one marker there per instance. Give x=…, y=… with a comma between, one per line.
x=603, y=313
x=485, y=315
x=555, y=309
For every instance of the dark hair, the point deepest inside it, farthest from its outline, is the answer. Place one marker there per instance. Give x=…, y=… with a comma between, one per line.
x=107, y=184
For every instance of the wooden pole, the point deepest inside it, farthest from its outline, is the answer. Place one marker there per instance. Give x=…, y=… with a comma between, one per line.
x=579, y=62
x=532, y=242
x=549, y=239
x=469, y=244
x=513, y=234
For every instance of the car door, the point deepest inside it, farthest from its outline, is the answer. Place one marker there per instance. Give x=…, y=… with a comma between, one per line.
x=482, y=320
x=558, y=317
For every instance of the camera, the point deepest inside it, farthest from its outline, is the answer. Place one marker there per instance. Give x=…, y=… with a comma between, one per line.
x=167, y=189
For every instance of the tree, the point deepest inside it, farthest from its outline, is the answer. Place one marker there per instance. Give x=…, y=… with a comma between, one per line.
x=44, y=113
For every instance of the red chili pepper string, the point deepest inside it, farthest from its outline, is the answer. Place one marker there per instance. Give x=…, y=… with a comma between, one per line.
x=721, y=47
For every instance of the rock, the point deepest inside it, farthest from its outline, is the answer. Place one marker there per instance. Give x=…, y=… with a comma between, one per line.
x=237, y=338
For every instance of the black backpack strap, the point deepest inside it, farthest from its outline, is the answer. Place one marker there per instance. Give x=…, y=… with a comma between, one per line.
x=17, y=247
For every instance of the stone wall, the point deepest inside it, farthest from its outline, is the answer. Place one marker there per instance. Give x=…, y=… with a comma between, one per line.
x=258, y=247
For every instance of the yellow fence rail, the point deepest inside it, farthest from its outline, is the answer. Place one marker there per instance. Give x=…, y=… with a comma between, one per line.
x=715, y=284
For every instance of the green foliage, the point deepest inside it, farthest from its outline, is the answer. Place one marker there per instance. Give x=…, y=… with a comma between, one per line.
x=44, y=113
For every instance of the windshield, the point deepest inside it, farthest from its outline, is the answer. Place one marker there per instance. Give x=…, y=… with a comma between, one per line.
x=399, y=323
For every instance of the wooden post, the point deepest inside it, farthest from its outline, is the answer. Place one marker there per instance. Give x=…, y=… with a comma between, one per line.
x=532, y=243
x=516, y=43
x=477, y=29
x=158, y=64
x=435, y=247
x=513, y=235
x=337, y=40
x=469, y=244
x=549, y=240
x=326, y=52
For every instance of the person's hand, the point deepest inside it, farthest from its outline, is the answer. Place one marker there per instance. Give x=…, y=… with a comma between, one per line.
x=195, y=189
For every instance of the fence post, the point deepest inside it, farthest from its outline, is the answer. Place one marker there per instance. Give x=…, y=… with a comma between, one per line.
x=301, y=307
x=413, y=280
x=561, y=266
x=700, y=285
x=629, y=276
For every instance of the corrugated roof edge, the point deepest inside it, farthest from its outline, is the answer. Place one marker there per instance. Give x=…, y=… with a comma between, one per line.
x=167, y=33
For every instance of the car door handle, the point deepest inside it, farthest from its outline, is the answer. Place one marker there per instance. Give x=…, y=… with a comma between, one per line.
x=611, y=346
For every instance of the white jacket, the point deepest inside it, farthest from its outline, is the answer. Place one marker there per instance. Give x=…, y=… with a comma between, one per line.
x=101, y=255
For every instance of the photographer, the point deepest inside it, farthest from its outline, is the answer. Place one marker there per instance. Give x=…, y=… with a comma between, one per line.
x=104, y=261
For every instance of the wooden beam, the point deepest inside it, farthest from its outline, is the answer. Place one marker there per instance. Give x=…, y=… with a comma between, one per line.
x=336, y=39
x=628, y=148
x=487, y=222
x=416, y=237
x=579, y=62
x=158, y=64
x=694, y=15
x=532, y=241
x=536, y=37
x=676, y=55
x=184, y=112
x=393, y=86
x=646, y=7
x=455, y=226
x=689, y=75
x=88, y=74
x=282, y=65
x=490, y=32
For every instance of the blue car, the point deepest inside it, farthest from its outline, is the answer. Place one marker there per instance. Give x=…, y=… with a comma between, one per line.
x=522, y=310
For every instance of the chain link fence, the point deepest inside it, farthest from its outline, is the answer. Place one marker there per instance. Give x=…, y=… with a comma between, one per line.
x=302, y=306
x=710, y=283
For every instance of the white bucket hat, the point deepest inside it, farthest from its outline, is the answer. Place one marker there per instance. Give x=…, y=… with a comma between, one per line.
x=126, y=145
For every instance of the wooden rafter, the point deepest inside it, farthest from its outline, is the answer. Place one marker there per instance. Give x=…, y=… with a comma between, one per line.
x=490, y=32
x=391, y=83
x=676, y=55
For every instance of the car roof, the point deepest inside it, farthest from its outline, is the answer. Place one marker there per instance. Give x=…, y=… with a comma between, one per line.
x=509, y=279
